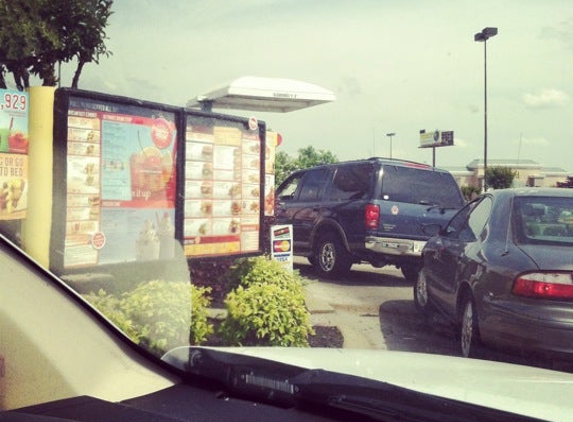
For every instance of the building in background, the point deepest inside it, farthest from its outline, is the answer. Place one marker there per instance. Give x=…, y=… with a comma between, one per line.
x=529, y=173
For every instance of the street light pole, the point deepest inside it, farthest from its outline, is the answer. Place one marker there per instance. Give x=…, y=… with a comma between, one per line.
x=391, y=134
x=483, y=36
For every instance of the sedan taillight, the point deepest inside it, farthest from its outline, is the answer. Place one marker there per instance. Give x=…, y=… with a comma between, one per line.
x=371, y=216
x=550, y=285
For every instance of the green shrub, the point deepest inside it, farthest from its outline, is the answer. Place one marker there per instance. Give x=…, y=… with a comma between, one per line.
x=110, y=306
x=261, y=269
x=267, y=307
x=158, y=314
x=499, y=177
x=470, y=192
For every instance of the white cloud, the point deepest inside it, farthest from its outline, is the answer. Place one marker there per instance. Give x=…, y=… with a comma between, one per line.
x=546, y=98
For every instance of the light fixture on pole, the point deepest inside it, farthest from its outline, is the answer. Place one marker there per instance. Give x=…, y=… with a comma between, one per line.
x=391, y=134
x=483, y=36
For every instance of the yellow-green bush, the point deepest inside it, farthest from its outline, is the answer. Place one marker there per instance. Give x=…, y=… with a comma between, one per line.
x=267, y=306
x=158, y=314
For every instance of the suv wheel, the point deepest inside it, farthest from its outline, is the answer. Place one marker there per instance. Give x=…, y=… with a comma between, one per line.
x=331, y=260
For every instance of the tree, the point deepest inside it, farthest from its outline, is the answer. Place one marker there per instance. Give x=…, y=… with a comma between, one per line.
x=284, y=165
x=566, y=184
x=36, y=35
x=499, y=177
x=307, y=157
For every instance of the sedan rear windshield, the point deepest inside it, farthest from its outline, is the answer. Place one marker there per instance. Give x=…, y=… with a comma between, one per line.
x=544, y=220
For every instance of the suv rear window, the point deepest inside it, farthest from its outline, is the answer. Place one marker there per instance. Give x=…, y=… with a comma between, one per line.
x=415, y=186
x=351, y=182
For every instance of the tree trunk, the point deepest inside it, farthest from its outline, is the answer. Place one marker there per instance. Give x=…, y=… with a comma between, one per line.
x=2, y=80
x=48, y=74
x=21, y=77
x=77, y=74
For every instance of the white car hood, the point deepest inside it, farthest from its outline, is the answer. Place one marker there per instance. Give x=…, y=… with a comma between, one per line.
x=524, y=390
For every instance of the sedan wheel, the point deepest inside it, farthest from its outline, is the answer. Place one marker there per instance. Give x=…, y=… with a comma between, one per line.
x=421, y=300
x=469, y=333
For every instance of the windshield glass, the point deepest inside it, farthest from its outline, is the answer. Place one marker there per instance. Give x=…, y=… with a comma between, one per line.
x=142, y=170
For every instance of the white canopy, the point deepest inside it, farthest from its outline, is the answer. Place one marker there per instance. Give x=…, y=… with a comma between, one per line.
x=264, y=95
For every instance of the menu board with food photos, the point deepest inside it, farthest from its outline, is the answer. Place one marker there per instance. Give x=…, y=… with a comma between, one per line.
x=143, y=180
x=120, y=182
x=222, y=188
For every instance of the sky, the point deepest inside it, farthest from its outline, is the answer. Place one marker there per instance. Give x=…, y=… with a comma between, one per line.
x=395, y=66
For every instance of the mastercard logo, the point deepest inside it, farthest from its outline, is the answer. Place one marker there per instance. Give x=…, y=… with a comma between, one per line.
x=281, y=246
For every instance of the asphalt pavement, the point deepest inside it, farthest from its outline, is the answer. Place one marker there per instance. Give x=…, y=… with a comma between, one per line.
x=358, y=332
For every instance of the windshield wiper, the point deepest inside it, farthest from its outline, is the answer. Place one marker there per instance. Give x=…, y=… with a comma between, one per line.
x=286, y=385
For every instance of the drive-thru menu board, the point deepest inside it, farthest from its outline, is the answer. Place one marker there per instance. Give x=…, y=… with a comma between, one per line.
x=142, y=179
x=120, y=183
x=222, y=211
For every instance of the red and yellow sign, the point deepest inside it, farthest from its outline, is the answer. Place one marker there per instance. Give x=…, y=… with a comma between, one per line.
x=13, y=154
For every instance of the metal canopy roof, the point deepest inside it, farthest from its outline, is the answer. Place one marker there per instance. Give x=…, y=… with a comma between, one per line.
x=264, y=95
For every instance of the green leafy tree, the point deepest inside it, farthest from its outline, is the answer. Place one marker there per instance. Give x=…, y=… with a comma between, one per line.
x=284, y=165
x=566, y=184
x=307, y=157
x=499, y=177
x=36, y=35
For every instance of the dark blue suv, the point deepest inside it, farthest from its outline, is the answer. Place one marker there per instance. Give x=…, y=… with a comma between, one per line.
x=370, y=210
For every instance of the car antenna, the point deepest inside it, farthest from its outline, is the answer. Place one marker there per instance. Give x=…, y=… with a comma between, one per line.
x=511, y=210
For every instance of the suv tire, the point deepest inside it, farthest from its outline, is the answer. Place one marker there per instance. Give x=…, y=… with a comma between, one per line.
x=331, y=259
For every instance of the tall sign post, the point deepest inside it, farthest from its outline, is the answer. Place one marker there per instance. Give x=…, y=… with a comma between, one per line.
x=435, y=139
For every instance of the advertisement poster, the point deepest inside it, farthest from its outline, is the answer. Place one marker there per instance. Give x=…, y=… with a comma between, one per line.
x=120, y=184
x=270, y=151
x=14, y=116
x=281, y=245
x=222, y=208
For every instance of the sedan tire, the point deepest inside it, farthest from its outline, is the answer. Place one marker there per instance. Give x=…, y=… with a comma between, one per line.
x=421, y=298
x=469, y=337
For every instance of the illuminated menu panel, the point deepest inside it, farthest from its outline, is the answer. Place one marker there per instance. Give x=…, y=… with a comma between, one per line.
x=222, y=193
x=120, y=183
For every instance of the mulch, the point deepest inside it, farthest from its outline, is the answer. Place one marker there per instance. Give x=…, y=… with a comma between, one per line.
x=326, y=337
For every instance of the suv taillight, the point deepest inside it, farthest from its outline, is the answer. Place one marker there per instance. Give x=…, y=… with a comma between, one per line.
x=550, y=285
x=371, y=216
